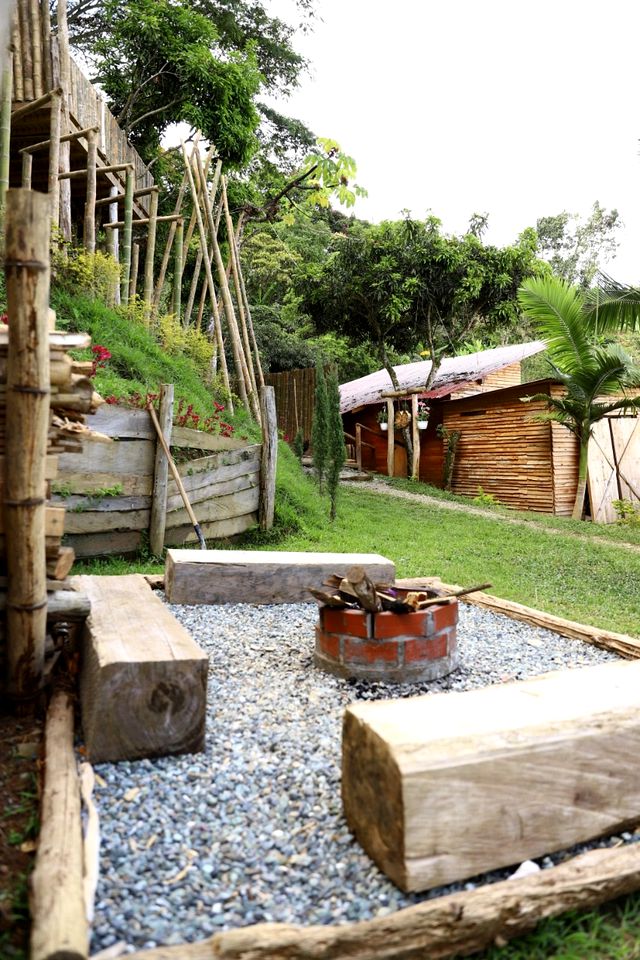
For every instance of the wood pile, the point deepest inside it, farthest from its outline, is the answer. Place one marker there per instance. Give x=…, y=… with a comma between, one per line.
x=357, y=591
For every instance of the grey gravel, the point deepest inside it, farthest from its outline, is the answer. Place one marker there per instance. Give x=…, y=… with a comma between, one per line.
x=252, y=830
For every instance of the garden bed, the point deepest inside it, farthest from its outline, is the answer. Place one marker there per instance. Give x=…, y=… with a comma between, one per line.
x=252, y=829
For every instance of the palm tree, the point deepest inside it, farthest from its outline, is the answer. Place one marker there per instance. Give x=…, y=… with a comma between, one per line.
x=571, y=322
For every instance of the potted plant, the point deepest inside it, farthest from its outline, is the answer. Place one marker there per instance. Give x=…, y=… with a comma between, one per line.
x=383, y=418
x=423, y=414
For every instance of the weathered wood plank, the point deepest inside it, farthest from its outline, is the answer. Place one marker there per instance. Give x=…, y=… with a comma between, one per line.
x=246, y=576
x=128, y=457
x=211, y=485
x=212, y=530
x=79, y=503
x=91, y=483
x=236, y=504
x=143, y=680
x=222, y=460
x=103, y=521
x=440, y=788
x=104, y=544
x=120, y=422
x=199, y=440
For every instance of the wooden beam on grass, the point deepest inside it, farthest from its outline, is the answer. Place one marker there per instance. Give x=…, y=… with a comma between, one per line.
x=27, y=427
x=59, y=923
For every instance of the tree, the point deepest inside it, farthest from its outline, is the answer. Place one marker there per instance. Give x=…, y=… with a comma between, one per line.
x=320, y=428
x=206, y=62
x=589, y=371
x=577, y=250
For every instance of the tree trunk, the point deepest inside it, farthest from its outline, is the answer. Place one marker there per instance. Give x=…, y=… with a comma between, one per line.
x=578, y=506
x=406, y=431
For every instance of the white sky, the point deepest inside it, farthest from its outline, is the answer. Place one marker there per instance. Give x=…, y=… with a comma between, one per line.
x=520, y=109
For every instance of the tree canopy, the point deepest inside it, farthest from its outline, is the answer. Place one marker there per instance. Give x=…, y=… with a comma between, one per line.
x=577, y=250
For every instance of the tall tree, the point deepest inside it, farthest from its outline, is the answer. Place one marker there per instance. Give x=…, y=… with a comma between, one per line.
x=336, y=449
x=320, y=428
x=589, y=371
x=577, y=249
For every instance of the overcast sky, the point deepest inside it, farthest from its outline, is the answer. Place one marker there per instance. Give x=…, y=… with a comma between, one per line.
x=520, y=109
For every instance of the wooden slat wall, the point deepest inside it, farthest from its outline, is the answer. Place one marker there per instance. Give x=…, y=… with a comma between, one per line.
x=223, y=487
x=294, y=390
x=502, y=449
x=565, y=464
x=509, y=376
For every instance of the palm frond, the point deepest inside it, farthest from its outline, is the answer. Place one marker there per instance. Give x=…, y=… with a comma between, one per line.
x=612, y=306
x=557, y=310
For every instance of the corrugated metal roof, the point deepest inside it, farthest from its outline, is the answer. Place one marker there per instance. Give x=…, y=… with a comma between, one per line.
x=453, y=374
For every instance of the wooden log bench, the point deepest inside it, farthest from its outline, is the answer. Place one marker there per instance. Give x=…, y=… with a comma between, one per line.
x=143, y=679
x=447, y=786
x=251, y=576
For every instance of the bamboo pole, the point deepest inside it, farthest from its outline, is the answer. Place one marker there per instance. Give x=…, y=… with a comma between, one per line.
x=158, y=520
x=78, y=135
x=209, y=278
x=214, y=186
x=248, y=397
x=193, y=288
x=36, y=47
x=27, y=170
x=59, y=925
x=53, y=184
x=135, y=260
x=27, y=59
x=46, y=43
x=177, y=272
x=247, y=307
x=150, y=254
x=90, y=204
x=233, y=262
x=33, y=105
x=141, y=221
x=27, y=426
x=203, y=298
x=168, y=246
x=5, y=136
x=198, y=265
x=118, y=197
x=18, y=81
x=65, y=83
x=113, y=248
x=127, y=233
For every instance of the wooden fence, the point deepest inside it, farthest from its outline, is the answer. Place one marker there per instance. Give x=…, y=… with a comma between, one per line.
x=295, y=391
x=108, y=489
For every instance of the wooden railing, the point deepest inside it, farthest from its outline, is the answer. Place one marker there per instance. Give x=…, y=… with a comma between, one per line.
x=360, y=443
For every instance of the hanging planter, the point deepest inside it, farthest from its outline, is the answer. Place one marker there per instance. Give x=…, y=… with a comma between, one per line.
x=402, y=419
x=384, y=426
x=423, y=424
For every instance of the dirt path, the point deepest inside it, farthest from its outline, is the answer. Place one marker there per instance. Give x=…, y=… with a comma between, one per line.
x=379, y=487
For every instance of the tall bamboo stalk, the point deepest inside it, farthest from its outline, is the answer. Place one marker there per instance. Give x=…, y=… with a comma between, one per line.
x=5, y=135
x=193, y=288
x=209, y=276
x=203, y=298
x=247, y=308
x=46, y=43
x=27, y=170
x=65, y=83
x=127, y=233
x=18, y=81
x=36, y=47
x=177, y=272
x=169, y=245
x=147, y=295
x=235, y=271
x=27, y=58
x=90, y=204
x=53, y=184
x=27, y=426
x=249, y=398
x=135, y=260
x=198, y=265
x=193, y=219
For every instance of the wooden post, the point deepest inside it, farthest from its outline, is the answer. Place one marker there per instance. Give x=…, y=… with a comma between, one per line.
x=53, y=184
x=27, y=426
x=113, y=245
x=59, y=922
x=90, y=205
x=5, y=134
x=135, y=260
x=391, y=438
x=27, y=169
x=209, y=276
x=127, y=232
x=65, y=83
x=415, y=438
x=269, y=457
x=161, y=473
x=359, y=446
x=177, y=274
x=147, y=295
x=46, y=43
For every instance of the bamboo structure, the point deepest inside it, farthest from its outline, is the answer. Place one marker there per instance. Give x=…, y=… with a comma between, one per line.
x=65, y=83
x=235, y=273
x=177, y=275
x=5, y=133
x=135, y=260
x=125, y=277
x=90, y=205
x=27, y=414
x=148, y=262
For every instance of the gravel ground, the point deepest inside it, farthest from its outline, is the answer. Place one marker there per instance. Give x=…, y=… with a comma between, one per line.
x=251, y=830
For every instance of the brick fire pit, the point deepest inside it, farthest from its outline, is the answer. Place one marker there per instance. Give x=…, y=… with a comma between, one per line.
x=395, y=647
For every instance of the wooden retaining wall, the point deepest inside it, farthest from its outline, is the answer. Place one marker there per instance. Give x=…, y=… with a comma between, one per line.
x=107, y=490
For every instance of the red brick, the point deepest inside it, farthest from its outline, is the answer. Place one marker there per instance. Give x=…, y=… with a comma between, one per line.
x=328, y=644
x=353, y=622
x=427, y=648
x=444, y=616
x=402, y=624
x=370, y=652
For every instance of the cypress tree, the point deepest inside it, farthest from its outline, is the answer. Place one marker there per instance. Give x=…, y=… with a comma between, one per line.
x=335, y=445
x=320, y=427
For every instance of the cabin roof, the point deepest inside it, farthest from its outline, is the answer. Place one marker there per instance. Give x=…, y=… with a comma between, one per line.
x=454, y=373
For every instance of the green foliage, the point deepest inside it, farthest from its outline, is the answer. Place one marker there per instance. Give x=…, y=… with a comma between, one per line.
x=451, y=439
x=320, y=428
x=93, y=274
x=336, y=451
x=298, y=445
x=627, y=512
x=485, y=499
x=190, y=342
x=577, y=250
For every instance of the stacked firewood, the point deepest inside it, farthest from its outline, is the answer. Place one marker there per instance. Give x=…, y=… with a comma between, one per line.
x=357, y=591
